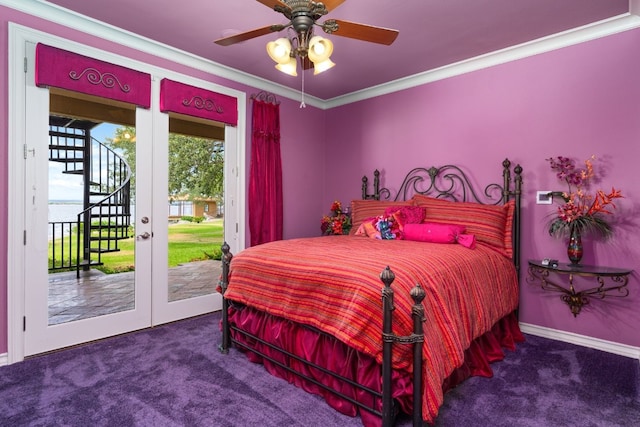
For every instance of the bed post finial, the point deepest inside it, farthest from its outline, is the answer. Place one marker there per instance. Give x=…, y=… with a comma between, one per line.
x=506, y=176
x=226, y=261
x=417, y=338
x=517, y=217
x=387, y=278
x=365, y=181
x=388, y=339
x=224, y=282
x=376, y=187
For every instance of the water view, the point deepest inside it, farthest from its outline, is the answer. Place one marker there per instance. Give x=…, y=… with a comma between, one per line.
x=66, y=210
x=62, y=210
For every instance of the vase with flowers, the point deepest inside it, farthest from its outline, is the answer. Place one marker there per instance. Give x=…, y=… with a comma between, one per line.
x=582, y=210
x=338, y=222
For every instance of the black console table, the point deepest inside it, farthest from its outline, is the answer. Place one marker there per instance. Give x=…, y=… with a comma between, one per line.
x=539, y=272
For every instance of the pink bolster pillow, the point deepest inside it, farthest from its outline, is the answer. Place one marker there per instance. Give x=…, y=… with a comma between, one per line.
x=435, y=232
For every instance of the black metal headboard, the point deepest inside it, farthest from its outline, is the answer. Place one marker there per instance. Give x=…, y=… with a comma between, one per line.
x=451, y=182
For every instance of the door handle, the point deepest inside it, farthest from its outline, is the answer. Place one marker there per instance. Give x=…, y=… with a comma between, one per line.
x=143, y=236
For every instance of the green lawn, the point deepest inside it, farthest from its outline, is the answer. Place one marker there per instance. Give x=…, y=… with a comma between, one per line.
x=187, y=242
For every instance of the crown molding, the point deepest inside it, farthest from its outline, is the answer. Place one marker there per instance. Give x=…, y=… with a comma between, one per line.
x=571, y=37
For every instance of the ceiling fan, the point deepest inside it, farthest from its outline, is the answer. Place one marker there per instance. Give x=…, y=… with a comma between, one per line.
x=303, y=16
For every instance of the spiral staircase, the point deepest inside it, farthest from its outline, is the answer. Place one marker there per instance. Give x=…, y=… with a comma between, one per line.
x=106, y=217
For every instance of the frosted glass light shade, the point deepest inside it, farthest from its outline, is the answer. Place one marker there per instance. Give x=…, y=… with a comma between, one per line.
x=289, y=67
x=320, y=49
x=319, y=67
x=280, y=50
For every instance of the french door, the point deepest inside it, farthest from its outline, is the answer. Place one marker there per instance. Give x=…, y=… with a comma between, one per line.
x=41, y=334
x=149, y=286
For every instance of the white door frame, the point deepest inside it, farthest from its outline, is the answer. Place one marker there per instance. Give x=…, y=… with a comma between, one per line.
x=19, y=36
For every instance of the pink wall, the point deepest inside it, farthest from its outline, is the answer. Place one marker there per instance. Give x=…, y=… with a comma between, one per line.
x=303, y=164
x=577, y=101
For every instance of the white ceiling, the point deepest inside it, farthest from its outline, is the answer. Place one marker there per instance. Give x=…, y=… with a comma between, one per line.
x=432, y=33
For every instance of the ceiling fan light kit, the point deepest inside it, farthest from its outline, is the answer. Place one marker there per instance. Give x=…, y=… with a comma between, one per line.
x=303, y=16
x=303, y=45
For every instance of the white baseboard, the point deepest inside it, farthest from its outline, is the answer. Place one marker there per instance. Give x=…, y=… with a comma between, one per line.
x=4, y=359
x=585, y=341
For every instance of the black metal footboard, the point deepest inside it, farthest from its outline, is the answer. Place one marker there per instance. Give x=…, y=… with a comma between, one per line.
x=388, y=340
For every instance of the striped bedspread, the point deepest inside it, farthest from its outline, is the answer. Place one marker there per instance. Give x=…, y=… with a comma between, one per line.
x=332, y=283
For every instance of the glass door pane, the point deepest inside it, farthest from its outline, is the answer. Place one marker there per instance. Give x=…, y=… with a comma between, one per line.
x=91, y=216
x=195, y=205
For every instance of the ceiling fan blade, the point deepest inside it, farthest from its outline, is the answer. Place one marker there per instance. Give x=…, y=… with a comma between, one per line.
x=271, y=4
x=237, y=38
x=364, y=32
x=332, y=4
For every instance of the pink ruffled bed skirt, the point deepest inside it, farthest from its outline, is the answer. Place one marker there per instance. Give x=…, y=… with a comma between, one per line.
x=334, y=355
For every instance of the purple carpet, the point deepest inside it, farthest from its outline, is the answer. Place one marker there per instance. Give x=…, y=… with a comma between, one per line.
x=173, y=375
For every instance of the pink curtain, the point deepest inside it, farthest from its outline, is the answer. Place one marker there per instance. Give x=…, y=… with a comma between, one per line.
x=265, y=179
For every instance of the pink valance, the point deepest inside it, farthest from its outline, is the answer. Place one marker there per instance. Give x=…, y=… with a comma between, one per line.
x=67, y=70
x=193, y=101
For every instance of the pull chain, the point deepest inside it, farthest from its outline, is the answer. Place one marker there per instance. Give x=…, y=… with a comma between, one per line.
x=302, y=104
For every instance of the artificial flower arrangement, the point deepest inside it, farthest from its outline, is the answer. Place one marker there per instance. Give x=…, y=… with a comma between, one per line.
x=581, y=210
x=339, y=222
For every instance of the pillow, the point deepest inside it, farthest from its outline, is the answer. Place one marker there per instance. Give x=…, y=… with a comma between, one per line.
x=408, y=215
x=367, y=228
x=363, y=209
x=433, y=232
x=387, y=228
x=381, y=228
x=490, y=224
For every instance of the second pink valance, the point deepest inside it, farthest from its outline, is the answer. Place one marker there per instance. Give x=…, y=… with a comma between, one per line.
x=193, y=101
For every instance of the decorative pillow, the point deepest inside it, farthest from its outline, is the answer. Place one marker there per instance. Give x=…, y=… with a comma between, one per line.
x=367, y=228
x=387, y=227
x=361, y=231
x=381, y=227
x=363, y=209
x=490, y=224
x=408, y=215
x=435, y=232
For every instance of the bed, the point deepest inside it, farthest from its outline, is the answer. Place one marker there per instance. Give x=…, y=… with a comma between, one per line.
x=385, y=326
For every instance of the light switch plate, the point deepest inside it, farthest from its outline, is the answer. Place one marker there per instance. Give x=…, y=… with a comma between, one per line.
x=544, y=198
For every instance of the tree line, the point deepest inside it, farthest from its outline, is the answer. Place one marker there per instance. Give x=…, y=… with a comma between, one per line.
x=196, y=165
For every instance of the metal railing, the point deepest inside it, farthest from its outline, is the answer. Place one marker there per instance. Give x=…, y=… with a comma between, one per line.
x=104, y=222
